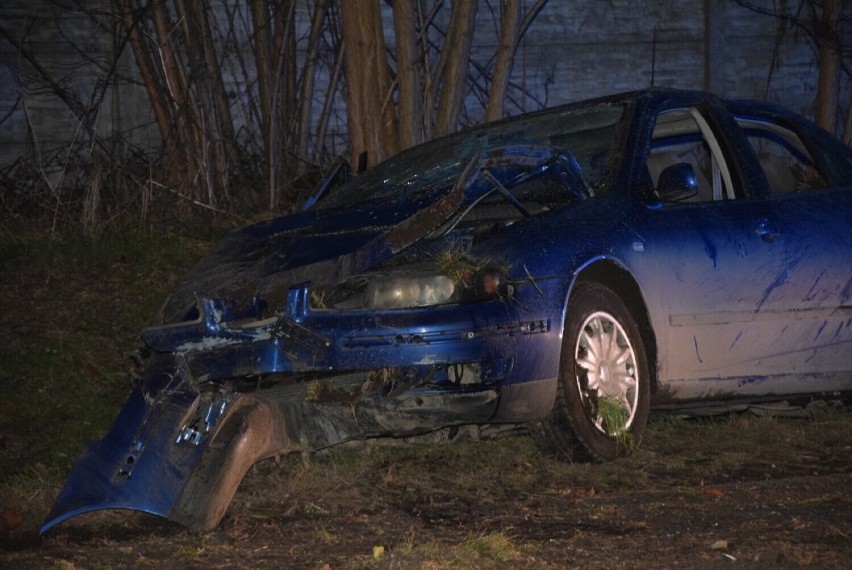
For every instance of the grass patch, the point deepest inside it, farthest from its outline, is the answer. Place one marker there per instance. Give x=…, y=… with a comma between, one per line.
x=70, y=313
x=614, y=415
x=473, y=552
x=495, y=546
x=428, y=478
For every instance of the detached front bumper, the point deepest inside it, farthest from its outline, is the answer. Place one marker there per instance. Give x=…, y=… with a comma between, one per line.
x=137, y=464
x=147, y=463
x=186, y=437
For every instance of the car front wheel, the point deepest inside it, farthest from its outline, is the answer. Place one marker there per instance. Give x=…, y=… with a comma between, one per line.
x=603, y=396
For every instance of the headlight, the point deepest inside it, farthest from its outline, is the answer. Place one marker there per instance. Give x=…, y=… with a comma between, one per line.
x=409, y=286
x=401, y=292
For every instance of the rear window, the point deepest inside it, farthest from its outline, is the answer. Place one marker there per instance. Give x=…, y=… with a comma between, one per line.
x=786, y=161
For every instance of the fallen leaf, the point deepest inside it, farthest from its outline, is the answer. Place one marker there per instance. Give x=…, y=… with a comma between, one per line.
x=10, y=519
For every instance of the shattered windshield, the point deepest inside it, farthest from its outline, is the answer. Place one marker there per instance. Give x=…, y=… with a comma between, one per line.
x=586, y=132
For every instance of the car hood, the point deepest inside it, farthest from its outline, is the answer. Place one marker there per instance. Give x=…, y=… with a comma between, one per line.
x=321, y=246
x=325, y=246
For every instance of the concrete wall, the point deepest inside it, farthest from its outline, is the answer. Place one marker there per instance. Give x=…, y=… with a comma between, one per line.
x=31, y=115
x=593, y=47
x=575, y=49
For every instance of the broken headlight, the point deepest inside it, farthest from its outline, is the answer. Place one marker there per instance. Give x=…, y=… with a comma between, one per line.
x=414, y=288
x=399, y=292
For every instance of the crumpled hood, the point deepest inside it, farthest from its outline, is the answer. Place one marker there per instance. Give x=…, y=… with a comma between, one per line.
x=320, y=246
x=325, y=246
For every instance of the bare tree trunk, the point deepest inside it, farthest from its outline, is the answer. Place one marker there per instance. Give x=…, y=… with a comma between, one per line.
x=308, y=78
x=188, y=135
x=210, y=149
x=430, y=78
x=356, y=54
x=372, y=128
x=510, y=22
x=147, y=69
x=220, y=110
x=201, y=10
x=262, y=29
x=410, y=101
x=284, y=69
x=829, y=65
x=262, y=43
x=453, y=66
x=275, y=63
x=322, y=124
x=175, y=80
x=247, y=106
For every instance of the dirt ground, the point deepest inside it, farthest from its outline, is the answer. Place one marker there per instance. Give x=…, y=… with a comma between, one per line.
x=501, y=504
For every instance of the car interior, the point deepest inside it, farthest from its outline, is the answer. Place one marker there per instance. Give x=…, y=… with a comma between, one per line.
x=682, y=136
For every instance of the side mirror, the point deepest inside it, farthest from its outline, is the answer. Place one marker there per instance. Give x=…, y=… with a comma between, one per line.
x=677, y=183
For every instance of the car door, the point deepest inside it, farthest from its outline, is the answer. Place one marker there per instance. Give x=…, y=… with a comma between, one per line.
x=718, y=256
x=814, y=205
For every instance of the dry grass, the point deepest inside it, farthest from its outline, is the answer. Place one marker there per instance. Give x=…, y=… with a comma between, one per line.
x=614, y=414
x=456, y=265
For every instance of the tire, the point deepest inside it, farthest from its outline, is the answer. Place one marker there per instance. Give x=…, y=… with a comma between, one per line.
x=603, y=395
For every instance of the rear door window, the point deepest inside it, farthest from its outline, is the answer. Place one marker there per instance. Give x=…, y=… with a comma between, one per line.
x=785, y=160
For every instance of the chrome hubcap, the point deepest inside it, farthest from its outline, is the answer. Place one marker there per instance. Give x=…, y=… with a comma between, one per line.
x=606, y=373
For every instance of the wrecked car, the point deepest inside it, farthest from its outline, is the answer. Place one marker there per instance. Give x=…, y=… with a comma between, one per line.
x=570, y=270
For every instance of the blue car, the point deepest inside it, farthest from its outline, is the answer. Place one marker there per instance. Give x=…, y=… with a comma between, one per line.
x=570, y=270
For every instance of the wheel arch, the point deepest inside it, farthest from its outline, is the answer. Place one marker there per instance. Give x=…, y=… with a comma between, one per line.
x=616, y=277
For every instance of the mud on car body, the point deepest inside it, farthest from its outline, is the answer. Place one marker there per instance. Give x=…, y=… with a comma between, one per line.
x=570, y=269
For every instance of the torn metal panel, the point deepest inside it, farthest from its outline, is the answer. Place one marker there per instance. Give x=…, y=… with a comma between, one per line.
x=180, y=454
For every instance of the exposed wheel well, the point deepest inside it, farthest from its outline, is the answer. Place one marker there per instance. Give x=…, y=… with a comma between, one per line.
x=621, y=282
